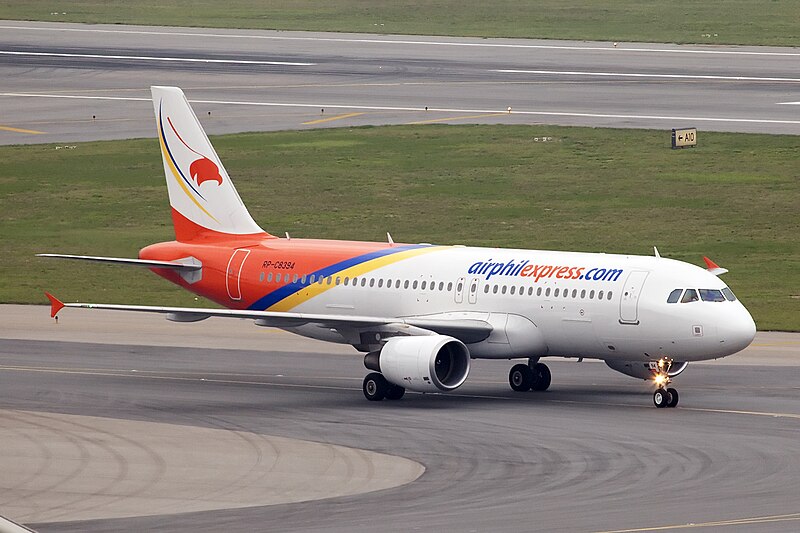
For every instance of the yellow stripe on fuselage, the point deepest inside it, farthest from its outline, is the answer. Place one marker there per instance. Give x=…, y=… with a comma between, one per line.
x=177, y=175
x=315, y=289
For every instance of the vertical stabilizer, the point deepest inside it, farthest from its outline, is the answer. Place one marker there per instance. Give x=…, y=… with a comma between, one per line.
x=202, y=196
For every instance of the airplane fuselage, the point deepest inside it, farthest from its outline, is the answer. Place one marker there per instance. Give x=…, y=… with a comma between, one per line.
x=540, y=303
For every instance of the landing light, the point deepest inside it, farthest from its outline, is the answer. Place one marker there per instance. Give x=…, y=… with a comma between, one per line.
x=660, y=379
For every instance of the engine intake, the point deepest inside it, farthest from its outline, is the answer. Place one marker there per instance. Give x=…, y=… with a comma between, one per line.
x=422, y=364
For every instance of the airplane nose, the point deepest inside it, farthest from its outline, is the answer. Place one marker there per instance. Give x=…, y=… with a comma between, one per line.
x=738, y=332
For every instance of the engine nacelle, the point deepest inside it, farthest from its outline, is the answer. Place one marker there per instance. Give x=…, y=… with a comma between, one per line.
x=424, y=364
x=642, y=370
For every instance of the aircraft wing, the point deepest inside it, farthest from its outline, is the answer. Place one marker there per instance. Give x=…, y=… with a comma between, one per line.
x=466, y=330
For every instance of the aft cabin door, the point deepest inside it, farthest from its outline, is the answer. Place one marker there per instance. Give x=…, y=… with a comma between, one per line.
x=233, y=274
x=629, y=302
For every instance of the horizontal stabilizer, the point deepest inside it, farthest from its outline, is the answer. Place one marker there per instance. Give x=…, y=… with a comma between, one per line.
x=174, y=265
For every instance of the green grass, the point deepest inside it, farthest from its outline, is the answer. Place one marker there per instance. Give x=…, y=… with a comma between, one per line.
x=756, y=22
x=734, y=198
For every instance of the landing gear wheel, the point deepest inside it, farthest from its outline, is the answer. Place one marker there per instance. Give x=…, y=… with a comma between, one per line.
x=520, y=378
x=394, y=392
x=541, y=377
x=661, y=398
x=375, y=387
x=673, y=397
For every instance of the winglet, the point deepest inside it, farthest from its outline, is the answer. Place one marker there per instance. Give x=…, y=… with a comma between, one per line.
x=56, y=305
x=713, y=267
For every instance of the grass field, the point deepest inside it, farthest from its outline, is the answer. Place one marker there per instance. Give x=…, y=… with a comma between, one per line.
x=757, y=22
x=734, y=198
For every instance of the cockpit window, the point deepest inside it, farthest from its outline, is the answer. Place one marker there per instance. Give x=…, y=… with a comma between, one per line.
x=674, y=296
x=689, y=296
x=711, y=295
x=729, y=294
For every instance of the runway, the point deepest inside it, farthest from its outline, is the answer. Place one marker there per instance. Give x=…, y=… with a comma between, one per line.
x=590, y=455
x=70, y=82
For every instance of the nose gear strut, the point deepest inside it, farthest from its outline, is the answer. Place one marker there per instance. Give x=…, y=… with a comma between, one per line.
x=664, y=396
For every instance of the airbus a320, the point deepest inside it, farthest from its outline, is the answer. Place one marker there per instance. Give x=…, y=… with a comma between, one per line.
x=419, y=312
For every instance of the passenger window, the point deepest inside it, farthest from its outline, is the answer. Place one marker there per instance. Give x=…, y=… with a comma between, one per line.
x=547, y=292
x=689, y=296
x=600, y=295
x=303, y=280
x=591, y=295
x=372, y=282
x=513, y=289
x=441, y=285
x=380, y=283
x=609, y=295
x=504, y=289
x=574, y=293
x=338, y=280
x=405, y=284
x=423, y=285
x=269, y=277
x=494, y=289
x=530, y=291
x=711, y=295
x=583, y=294
x=459, y=287
x=414, y=285
x=674, y=296
x=729, y=294
x=539, y=291
x=296, y=277
x=450, y=286
x=486, y=289
x=397, y=284
x=346, y=280
x=329, y=280
x=555, y=293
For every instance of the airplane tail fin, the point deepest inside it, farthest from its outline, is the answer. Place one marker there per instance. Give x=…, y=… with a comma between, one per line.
x=203, y=199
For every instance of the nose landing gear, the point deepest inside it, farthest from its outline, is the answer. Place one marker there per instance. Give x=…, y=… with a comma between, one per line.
x=664, y=396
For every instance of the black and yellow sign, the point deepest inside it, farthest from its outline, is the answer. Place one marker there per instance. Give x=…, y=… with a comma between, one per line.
x=681, y=138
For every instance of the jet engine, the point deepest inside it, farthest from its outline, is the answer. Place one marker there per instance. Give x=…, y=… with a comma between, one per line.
x=423, y=364
x=641, y=369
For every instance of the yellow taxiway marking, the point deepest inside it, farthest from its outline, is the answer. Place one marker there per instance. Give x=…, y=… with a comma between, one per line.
x=20, y=130
x=721, y=523
x=329, y=119
x=448, y=119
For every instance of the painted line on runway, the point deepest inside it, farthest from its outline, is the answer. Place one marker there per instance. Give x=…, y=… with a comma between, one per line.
x=20, y=130
x=596, y=48
x=643, y=75
x=788, y=103
x=437, y=109
x=736, y=412
x=721, y=523
x=448, y=119
x=330, y=119
x=155, y=58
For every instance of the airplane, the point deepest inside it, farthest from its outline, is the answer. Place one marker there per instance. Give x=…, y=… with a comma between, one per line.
x=421, y=312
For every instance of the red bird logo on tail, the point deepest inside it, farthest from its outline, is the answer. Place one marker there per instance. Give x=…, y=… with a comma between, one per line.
x=204, y=170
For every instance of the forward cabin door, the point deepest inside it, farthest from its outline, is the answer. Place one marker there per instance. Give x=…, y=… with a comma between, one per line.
x=233, y=274
x=629, y=299
x=473, y=290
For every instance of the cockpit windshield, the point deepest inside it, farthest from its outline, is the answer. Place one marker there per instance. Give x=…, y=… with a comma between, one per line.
x=696, y=295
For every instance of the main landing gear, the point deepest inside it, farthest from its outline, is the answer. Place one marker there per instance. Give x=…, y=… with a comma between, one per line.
x=664, y=396
x=533, y=376
x=376, y=388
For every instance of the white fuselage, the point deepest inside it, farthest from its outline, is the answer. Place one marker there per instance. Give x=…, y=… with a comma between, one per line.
x=545, y=303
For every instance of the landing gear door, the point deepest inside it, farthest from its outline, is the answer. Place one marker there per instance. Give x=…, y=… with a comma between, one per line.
x=459, y=291
x=629, y=299
x=233, y=274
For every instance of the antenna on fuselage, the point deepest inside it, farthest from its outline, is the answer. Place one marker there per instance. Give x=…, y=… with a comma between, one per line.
x=389, y=238
x=287, y=236
x=656, y=251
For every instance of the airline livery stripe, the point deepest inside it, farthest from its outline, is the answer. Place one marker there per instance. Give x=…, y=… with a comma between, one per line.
x=294, y=294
